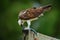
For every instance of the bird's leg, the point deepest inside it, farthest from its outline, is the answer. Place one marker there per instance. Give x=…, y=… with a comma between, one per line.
x=29, y=23
x=28, y=27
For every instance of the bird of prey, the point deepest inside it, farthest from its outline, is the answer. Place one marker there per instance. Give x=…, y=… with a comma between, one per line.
x=31, y=14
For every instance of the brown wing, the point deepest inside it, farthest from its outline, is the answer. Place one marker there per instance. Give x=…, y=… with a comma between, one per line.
x=32, y=13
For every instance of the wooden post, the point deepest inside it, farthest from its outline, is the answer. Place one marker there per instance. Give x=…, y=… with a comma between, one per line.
x=32, y=36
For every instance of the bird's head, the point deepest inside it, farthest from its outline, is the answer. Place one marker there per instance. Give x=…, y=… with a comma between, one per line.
x=47, y=7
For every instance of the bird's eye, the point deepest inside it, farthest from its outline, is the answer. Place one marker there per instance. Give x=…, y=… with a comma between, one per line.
x=34, y=7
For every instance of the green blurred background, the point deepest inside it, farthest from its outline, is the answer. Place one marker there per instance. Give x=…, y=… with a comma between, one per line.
x=49, y=24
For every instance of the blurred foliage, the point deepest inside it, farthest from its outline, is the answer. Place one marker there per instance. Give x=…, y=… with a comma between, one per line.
x=49, y=24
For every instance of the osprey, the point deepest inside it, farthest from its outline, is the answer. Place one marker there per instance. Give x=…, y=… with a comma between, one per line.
x=31, y=14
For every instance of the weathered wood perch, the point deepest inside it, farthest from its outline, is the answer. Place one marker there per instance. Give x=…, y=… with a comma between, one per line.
x=45, y=37
x=32, y=36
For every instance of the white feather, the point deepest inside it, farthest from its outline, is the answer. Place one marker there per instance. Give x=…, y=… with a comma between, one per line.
x=19, y=22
